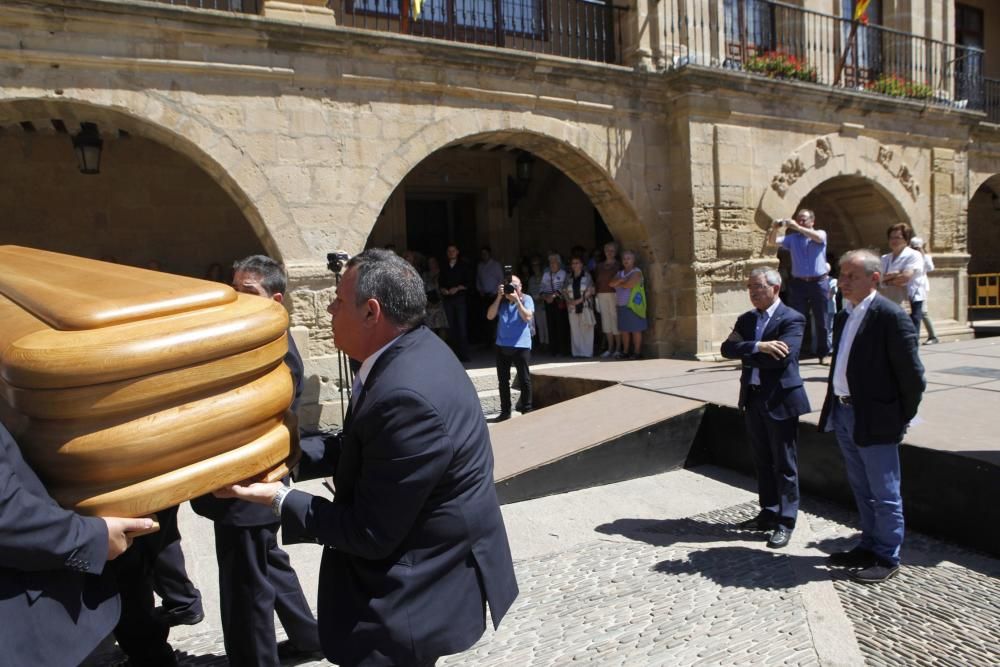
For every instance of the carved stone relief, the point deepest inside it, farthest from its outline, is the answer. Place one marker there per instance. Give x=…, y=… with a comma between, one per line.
x=903, y=174
x=791, y=171
x=824, y=151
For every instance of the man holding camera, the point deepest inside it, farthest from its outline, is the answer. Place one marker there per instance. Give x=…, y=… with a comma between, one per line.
x=513, y=311
x=809, y=288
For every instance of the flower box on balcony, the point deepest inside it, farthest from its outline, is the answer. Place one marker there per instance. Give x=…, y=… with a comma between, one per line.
x=778, y=65
x=897, y=86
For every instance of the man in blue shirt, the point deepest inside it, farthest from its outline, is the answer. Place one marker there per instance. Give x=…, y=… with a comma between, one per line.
x=513, y=311
x=809, y=287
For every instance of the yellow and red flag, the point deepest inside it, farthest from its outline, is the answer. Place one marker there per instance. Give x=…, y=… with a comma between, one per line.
x=861, y=10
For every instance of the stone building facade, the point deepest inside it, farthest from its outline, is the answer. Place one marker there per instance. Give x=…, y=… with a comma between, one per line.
x=293, y=133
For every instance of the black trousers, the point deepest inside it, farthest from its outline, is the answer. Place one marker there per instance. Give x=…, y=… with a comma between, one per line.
x=773, y=442
x=171, y=581
x=520, y=357
x=456, y=310
x=140, y=635
x=557, y=320
x=256, y=580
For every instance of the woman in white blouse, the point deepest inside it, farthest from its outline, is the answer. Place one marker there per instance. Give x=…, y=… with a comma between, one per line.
x=920, y=288
x=900, y=264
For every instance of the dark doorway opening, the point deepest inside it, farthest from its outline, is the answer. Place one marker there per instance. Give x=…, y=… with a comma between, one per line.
x=433, y=220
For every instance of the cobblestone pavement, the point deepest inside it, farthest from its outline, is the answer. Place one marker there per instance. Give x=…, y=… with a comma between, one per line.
x=693, y=591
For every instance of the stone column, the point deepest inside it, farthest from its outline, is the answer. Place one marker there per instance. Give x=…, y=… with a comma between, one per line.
x=949, y=281
x=301, y=11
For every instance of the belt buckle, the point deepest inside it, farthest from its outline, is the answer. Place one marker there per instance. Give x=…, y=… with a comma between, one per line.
x=845, y=400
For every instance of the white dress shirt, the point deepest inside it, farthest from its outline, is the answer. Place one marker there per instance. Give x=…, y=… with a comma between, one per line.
x=854, y=316
x=366, y=368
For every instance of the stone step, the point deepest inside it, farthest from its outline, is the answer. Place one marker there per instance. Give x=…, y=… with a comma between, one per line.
x=485, y=379
x=490, y=400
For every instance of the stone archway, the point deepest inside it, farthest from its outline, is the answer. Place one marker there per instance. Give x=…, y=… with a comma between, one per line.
x=186, y=139
x=838, y=168
x=565, y=146
x=854, y=211
x=984, y=227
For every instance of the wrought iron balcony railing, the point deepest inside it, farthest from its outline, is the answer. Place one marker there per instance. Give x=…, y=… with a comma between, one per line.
x=241, y=6
x=783, y=41
x=581, y=29
x=991, y=93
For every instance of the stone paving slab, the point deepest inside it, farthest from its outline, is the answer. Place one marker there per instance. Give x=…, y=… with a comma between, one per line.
x=692, y=590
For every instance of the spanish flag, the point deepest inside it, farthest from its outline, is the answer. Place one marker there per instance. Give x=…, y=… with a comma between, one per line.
x=861, y=10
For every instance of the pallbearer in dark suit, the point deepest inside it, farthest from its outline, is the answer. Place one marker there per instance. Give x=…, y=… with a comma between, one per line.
x=256, y=579
x=56, y=605
x=415, y=542
x=767, y=340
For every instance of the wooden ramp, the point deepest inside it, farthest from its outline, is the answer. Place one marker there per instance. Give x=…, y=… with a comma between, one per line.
x=609, y=435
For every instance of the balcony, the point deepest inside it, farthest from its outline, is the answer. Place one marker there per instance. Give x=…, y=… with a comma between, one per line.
x=778, y=40
x=580, y=29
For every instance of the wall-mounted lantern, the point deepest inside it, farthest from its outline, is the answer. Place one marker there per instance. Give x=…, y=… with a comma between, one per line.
x=87, y=144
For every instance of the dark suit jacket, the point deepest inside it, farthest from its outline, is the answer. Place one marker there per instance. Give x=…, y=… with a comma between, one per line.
x=884, y=374
x=231, y=512
x=55, y=604
x=416, y=542
x=779, y=378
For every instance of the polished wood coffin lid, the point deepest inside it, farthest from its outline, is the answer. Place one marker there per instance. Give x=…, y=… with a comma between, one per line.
x=130, y=390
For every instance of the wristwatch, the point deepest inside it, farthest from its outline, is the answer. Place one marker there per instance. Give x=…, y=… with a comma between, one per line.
x=279, y=497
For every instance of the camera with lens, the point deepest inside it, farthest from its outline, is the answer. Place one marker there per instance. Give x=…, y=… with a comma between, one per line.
x=335, y=261
x=508, y=279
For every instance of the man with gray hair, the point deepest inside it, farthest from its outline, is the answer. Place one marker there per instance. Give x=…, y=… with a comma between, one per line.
x=767, y=340
x=416, y=544
x=875, y=386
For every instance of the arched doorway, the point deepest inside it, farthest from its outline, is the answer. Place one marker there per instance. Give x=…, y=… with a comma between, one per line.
x=149, y=205
x=984, y=228
x=506, y=193
x=506, y=198
x=984, y=250
x=855, y=212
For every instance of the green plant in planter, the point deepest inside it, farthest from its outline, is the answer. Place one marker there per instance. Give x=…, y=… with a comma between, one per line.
x=779, y=65
x=897, y=86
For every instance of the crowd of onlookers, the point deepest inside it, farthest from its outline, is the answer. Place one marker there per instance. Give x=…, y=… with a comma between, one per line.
x=591, y=304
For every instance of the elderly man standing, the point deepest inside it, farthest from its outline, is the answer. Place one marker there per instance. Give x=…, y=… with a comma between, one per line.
x=416, y=544
x=875, y=385
x=767, y=340
x=809, y=288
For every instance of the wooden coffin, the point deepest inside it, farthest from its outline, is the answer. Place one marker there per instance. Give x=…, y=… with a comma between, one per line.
x=130, y=390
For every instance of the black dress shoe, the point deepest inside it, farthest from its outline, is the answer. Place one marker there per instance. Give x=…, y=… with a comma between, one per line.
x=173, y=618
x=875, y=574
x=502, y=417
x=856, y=558
x=780, y=537
x=289, y=652
x=758, y=524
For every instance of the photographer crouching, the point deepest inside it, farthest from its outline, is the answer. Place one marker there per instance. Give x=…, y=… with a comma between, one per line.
x=513, y=311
